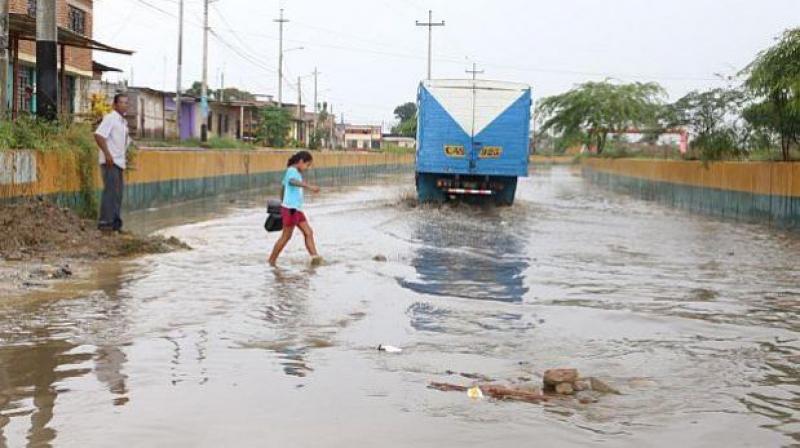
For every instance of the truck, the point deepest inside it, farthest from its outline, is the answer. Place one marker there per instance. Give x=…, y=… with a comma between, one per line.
x=473, y=140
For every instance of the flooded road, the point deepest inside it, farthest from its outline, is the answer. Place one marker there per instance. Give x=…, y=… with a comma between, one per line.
x=695, y=320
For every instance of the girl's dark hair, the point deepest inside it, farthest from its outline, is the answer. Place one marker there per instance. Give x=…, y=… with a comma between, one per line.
x=302, y=156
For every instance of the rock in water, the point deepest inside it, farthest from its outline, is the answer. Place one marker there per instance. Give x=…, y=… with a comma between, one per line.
x=565, y=389
x=580, y=385
x=554, y=377
x=600, y=386
x=585, y=398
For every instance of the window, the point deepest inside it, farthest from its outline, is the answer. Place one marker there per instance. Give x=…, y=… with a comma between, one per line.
x=210, y=121
x=26, y=98
x=226, y=127
x=32, y=8
x=77, y=20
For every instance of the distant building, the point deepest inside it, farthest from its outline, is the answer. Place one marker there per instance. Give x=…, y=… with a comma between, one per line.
x=397, y=141
x=363, y=137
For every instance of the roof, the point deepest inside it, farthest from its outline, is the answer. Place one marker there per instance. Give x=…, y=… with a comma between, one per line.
x=98, y=67
x=23, y=26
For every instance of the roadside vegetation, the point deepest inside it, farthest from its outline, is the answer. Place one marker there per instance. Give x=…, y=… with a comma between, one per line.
x=756, y=117
x=38, y=135
x=212, y=143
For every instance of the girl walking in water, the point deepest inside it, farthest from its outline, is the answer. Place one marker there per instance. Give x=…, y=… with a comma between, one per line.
x=292, y=207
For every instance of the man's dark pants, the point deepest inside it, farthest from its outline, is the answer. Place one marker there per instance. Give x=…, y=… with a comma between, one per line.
x=111, y=204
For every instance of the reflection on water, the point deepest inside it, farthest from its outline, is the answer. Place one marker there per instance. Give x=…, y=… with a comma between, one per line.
x=41, y=350
x=470, y=253
x=285, y=314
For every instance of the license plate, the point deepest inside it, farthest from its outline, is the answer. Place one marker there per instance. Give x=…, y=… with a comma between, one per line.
x=491, y=152
x=454, y=151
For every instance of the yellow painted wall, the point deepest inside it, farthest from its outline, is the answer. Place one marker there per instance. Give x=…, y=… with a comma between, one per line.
x=58, y=172
x=766, y=178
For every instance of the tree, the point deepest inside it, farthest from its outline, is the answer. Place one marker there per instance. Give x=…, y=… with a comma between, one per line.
x=709, y=111
x=715, y=118
x=405, y=112
x=594, y=110
x=407, y=115
x=197, y=90
x=228, y=94
x=774, y=78
x=274, y=126
x=234, y=94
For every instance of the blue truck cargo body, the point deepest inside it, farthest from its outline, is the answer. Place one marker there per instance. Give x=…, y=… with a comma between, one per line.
x=473, y=138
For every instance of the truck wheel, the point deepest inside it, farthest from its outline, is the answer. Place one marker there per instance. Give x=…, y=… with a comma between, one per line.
x=427, y=191
x=505, y=197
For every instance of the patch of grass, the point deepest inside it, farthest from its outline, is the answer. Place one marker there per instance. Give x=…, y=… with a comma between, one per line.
x=220, y=143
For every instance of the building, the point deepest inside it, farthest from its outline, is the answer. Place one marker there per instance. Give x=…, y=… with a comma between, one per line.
x=75, y=22
x=363, y=137
x=147, y=114
x=234, y=119
x=397, y=141
x=153, y=116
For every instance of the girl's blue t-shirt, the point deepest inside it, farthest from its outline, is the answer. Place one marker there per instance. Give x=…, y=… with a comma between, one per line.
x=292, y=195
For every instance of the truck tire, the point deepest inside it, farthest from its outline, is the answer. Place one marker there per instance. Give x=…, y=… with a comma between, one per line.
x=427, y=191
x=505, y=197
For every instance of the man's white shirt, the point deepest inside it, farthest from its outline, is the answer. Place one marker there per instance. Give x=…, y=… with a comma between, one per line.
x=114, y=128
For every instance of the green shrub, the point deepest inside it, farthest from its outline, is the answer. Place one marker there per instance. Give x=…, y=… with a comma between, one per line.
x=38, y=135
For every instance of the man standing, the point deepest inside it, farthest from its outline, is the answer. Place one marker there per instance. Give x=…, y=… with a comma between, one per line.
x=112, y=138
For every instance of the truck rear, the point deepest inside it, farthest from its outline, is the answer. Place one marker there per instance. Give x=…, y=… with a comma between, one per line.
x=472, y=139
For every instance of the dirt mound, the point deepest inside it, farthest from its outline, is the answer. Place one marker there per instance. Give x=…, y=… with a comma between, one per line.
x=41, y=230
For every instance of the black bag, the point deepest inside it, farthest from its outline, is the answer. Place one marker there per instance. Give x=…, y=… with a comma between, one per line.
x=274, y=221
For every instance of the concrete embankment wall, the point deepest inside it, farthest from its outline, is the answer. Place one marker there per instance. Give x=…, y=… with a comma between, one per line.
x=160, y=177
x=765, y=192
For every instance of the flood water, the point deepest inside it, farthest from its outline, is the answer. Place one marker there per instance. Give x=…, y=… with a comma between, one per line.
x=695, y=320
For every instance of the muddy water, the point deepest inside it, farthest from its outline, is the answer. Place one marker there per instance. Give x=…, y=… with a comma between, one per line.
x=695, y=320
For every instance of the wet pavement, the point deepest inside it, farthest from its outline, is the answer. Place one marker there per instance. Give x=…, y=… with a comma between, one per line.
x=695, y=320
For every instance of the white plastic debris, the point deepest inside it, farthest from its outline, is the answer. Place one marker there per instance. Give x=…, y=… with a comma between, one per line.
x=389, y=349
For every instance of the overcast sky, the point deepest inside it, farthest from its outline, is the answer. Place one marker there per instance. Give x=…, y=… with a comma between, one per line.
x=372, y=56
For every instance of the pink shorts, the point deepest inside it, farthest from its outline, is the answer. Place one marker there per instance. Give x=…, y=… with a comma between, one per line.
x=292, y=218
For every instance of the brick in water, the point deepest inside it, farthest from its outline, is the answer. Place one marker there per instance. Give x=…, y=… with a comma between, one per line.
x=565, y=389
x=554, y=377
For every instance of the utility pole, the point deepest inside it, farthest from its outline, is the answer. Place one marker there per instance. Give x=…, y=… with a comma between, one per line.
x=222, y=87
x=316, y=107
x=280, y=23
x=332, y=119
x=204, y=90
x=299, y=95
x=299, y=111
x=4, y=7
x=178, y=100
x=475, y=72
x=46, y=60
x=430, y=24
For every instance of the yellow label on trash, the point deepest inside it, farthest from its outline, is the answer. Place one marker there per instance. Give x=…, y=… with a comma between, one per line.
x=491, y=152
x=475, y=393
x=454, y=150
